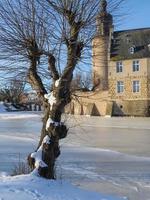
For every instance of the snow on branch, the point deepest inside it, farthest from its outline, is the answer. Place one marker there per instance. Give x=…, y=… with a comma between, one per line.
x=38, y=154
x=51, y=99
x=57, y=82
x=50, y=121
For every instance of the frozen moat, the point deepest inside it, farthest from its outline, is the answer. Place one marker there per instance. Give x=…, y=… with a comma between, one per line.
x=109, y=155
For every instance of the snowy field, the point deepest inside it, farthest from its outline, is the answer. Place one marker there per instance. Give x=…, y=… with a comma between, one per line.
x=110, y=156
x=34, y=188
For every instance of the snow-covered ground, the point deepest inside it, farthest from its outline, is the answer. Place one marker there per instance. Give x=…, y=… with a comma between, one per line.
x=2, y=107
x=34, y=188
x=106, y=155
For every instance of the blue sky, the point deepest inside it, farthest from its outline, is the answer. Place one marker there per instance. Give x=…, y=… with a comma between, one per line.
x=137, y=14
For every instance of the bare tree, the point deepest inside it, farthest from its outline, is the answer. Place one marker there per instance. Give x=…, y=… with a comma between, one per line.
x=81, y=81
x=13, y=91
x=59, y=31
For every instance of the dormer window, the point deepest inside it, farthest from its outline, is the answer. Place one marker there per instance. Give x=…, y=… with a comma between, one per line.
x=132, y=50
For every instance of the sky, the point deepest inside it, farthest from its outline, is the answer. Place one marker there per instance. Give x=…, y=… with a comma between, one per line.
x=136, y=14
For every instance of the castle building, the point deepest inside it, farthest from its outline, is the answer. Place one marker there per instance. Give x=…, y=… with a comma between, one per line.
x=121, y=71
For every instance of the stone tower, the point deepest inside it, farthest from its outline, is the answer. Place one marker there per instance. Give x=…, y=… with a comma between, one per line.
x=101, y=47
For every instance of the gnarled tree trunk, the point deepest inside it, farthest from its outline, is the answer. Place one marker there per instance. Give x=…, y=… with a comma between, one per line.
x=43, y=160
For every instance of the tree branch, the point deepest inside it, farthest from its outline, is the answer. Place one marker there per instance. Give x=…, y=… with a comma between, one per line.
x=35, y=80
x=52, y=67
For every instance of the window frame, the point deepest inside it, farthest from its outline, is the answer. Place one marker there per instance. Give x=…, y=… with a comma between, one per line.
x=132, y=50
x=135, y=86
x=119, y=66
x=120, y=87
x=135, y=65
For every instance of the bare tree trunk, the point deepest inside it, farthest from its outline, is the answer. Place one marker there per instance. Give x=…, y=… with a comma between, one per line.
x=56, y=131
x=44, y=121
x=53, y=130
x=48, y=148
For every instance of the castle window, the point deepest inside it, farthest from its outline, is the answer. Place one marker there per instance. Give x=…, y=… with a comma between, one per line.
x=120, y=86
x=132, y=50
x=119, y=66
x=136, y=86
x=136, y=65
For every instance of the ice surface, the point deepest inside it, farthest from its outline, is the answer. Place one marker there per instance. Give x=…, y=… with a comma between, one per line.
x=107, y=155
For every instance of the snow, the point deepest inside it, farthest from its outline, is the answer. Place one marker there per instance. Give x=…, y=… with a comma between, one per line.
x=38, y=159
x=46, y=140
x=18, y=115
x=9, y=107
x=5, y=115
x=48, y=123
x=2, y=107
x=35, y=188
x=38, y=155
x=90, y=156
x=57, y=82
x=51, y=99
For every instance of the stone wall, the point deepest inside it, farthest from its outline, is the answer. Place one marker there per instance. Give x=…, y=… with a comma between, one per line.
x=89, y=103
x=128, y=76
x=96, y=104
x=131, y=108
x=100, y=46
x=128, y=94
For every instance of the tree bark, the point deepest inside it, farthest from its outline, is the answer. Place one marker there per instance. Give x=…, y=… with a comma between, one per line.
x=50, y=150
x=49, y=142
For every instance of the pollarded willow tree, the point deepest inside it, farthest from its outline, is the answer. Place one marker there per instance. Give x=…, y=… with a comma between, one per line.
x=47, y=39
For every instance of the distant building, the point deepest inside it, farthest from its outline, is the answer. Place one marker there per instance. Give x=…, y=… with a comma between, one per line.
x=31, y=101
x=121, y=71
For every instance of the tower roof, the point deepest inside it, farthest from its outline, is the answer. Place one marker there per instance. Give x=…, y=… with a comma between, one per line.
x=104, y=20
x=103, y=6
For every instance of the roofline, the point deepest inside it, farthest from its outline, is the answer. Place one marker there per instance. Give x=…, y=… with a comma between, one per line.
x=122, y=59
x=130, y=30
